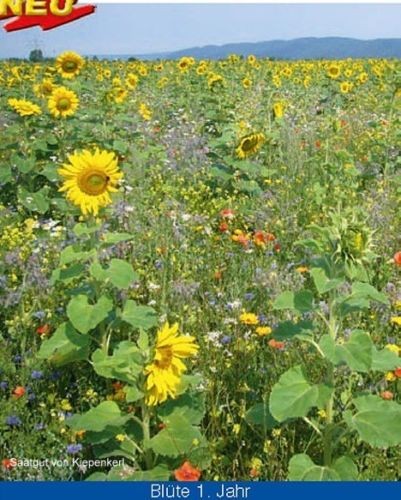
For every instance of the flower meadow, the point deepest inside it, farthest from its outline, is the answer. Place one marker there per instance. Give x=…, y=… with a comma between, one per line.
x=200, y=269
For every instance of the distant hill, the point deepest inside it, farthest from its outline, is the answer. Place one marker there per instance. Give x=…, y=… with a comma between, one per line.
x=300, y=48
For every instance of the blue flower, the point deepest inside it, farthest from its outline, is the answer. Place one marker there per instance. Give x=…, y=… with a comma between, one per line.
x=13, y=421
x=36, y=375
x=226, y=339
x=73, y=449
x=3, y=385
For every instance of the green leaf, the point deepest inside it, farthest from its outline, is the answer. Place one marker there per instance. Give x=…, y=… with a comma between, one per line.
x=68, y=274
x=139, y=316
x=121, y=273
x=292, y=396
x=377, y=421
x=190, y=406
x=384, y=360
x=322, y=282
x=300, y=301
x=356, y=352
x=106, y=414
x=178, y=438
x=5, y=174
x=125, y=364
x=288, y=330
x=73, y=254
x=324, y=395
x=260, y=415
x=86, y=317
x=159, y=473
x=366, y=291
x=36, y=202
x=64, y=346
x=302, y=468
x=133, y=394
x=81, y=229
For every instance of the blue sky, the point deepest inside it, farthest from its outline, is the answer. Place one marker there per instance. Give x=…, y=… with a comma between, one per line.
x=146, y=28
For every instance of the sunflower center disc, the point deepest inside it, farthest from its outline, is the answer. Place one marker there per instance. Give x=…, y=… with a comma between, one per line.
x=70, y=66
x=93, y=183
x=63, y=104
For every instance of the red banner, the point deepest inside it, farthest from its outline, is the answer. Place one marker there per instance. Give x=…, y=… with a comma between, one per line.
x=51, y=15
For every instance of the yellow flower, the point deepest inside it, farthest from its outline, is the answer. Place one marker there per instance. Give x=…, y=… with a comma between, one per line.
x=44, y=89
x=248, y=319
x=89, y=179
x=214, y=80
x=69, y=64
x=62, y=102
x=263, y=330
x=333, y=70
x=278, y=109
x=120, y=438
x=164, y=373
x=302, y=269
x=65, y=405
x=145, y=112
x=322, y=413
x=24, y=108
x=393, y=348
x=396, y=320
x=390, y=377
x=132, y=80
x=185, y=63
x=345, y=87
x=249, y=145
x=246, y=83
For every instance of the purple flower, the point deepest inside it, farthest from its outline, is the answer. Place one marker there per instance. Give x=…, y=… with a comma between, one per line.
x=13, y=421
x=3, y=385
x=73, y=449
x=226, y=339
x=36, y=375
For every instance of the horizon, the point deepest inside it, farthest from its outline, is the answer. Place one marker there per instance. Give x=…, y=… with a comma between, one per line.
x=146, y=29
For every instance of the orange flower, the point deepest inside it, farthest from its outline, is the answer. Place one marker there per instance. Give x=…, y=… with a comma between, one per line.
x=7, y=463
x=187, y=472
x=43, y=329
x=18, y=392
x=240, y=237
x=275, y=344
x=387, y=395
x=397, y=258
x=223, y=227
x=254, y=473
x=397, y=372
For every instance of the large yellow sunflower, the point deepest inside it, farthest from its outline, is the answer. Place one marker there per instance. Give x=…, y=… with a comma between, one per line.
x=249, y=145
x=90, y=178
x=164, y=373
x=24, y=108
x=63, y=102
x=69, y=64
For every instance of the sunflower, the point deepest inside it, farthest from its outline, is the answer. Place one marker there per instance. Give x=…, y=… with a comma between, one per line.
x=145, y=111
x=69, y=64
x=24, y=108
x=63, y=102
x=249, y=145
x=334, y=70
x=89, y=179
x=345, y=87
x=247, y=83
x=44, y=88
x=164, y=373
x=278, y=109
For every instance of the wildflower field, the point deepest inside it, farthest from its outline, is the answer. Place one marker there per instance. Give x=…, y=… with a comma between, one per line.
x=200, y=269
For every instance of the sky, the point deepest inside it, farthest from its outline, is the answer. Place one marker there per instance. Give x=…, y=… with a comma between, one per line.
x=151, y=28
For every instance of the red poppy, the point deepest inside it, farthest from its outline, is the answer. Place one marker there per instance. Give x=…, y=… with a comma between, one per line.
x=7, y=463
x=18, y=392
x=397, y=372
x=187, y=472
x=397, y=258
x=277, y=247
x=43, y=329
x=223, y=227
x=254, y=473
